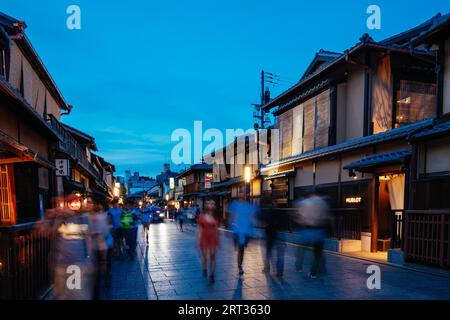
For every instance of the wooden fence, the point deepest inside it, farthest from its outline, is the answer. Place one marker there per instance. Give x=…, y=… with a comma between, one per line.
x=427, y=236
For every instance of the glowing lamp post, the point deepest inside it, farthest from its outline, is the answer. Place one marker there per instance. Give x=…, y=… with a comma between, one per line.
x=247, y=176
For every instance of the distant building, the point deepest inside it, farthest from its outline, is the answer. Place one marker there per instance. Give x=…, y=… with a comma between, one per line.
x=164, y=179
x=197, y=182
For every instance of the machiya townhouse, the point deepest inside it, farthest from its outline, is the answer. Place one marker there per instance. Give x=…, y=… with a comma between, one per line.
x=41, y=160
x=370, y=128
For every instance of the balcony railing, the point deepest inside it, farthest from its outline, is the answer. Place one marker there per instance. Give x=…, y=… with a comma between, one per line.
x=69, y=145
x=24, y=261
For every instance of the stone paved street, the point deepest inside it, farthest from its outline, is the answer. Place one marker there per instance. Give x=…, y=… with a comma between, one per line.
x=170, y=268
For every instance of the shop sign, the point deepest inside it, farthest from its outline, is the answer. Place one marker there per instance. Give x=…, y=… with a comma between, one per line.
x=62, y=167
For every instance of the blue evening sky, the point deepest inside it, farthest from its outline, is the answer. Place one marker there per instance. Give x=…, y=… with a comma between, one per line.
x=139, y=69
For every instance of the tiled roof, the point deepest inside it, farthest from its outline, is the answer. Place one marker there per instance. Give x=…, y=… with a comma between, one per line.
x=379, y=159
x=437, y=129
x=196, y=167
x=281, y=174
x=403, y=39
x=300, y=96
x=321, y=59
x=228, y=182
x=390, y=135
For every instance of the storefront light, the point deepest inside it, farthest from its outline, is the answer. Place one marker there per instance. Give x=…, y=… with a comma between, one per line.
x=353, y=200
x=74, y=204
x=247, y=174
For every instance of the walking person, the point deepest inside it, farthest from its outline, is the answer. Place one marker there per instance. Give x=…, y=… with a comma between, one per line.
x=181, y=217
x=71, y=250
x=208, y=238
x=271, y=223
x=117, y=232
x=314, y=220
x=129, y=220
x=99, y=233
x=146, y=218
x=242, y=220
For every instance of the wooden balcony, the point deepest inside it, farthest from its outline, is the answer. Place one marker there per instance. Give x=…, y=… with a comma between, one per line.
x=70, y=146
x=194, y=187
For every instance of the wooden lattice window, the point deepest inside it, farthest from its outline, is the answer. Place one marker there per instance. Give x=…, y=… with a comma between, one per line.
x=6, y=205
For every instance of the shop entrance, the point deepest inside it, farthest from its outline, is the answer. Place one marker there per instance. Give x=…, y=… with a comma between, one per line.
x=391, y=195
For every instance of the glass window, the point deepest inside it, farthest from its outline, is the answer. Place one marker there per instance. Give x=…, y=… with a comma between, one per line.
x=416, y=101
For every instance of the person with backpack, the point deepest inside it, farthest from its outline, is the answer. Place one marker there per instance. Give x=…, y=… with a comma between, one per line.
x=129, y=221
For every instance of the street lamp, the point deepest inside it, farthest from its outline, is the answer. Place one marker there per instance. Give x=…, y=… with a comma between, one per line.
x=247, y=174
x=167, y=206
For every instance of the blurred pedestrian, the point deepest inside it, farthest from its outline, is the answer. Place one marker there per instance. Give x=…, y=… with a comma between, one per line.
x=242, y=218
x=146, y=218
x=271, y=223
x=129, y=221
x=71, y=251
x=197, y=212
x=117, y=232
x=314, y=219
x=181, y=217
x=208, y=238
x=100, y=239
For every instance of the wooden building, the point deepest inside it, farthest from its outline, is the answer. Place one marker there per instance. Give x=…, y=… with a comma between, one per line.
x=197, y=180
x=32, y=139
x=344, y=129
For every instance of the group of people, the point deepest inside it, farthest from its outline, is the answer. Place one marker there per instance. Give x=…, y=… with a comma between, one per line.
x=181, y=215
x=85, y=241
x=312, y=225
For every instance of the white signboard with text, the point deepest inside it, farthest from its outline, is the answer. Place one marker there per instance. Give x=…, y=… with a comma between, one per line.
x=62, y=167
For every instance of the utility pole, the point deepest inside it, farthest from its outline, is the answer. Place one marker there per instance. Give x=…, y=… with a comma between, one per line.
x=259, y=114
x=262, y=98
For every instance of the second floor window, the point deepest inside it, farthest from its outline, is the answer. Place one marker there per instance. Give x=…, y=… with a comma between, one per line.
x=316, y=122
x=416, y=101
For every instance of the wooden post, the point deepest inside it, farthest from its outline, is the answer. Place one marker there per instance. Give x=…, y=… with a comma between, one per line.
x=442, y=240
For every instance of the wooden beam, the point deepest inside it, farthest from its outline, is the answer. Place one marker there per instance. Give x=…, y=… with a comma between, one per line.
x=13, y=160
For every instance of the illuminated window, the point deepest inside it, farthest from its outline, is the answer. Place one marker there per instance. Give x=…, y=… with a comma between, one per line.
x=416, y=101
x=6, y=211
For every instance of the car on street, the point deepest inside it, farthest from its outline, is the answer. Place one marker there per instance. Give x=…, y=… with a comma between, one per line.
x=157, y=214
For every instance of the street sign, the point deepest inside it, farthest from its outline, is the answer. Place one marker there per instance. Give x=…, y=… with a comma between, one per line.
x=208, y=180
x=62, y=167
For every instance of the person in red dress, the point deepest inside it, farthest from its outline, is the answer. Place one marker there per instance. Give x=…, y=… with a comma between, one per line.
x=208, y=238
